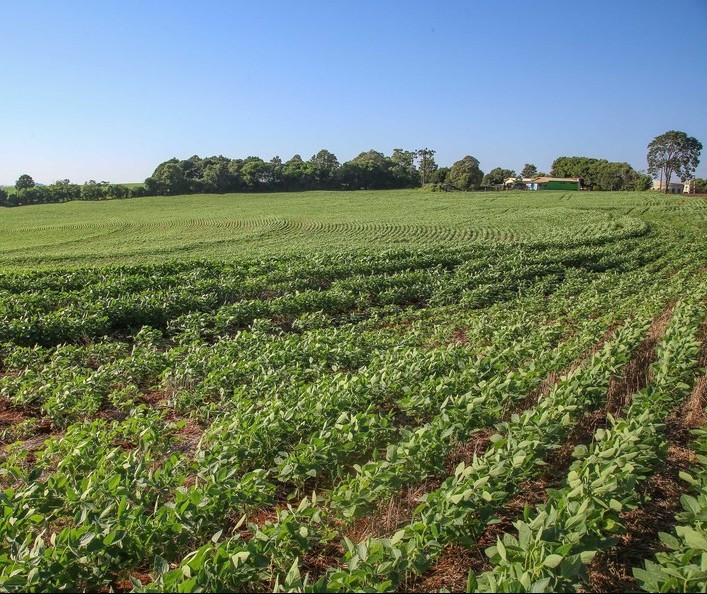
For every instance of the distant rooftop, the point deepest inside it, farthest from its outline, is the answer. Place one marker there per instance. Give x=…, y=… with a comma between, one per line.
x=542, y=180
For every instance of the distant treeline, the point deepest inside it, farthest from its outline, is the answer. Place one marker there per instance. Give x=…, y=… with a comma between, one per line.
x=27, y=192
x=371, y=170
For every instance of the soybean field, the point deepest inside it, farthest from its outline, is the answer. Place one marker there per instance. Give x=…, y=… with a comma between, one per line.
x=355, y=391
x=163, y=229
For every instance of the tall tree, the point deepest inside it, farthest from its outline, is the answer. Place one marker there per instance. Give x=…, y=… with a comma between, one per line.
x=673, y=153
x=404, y=159
x=529, y=170
x=404, y=169
x=325, y=165
x=441, y=176
x=297, y=174
x=465, y=173
x=215, y=177
x=369, y=170
x=257, y=174
x=168, y=179
x=24, y=182
x=426, y=164
x=62, y=190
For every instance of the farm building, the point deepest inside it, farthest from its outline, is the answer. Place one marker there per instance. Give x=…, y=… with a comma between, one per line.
x=517, y=182
x=675, y=187
x=555, y=183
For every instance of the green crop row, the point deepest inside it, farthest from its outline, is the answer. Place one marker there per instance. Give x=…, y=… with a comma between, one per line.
x=557, y=539
x=223, y=459
x=217, y=306
x=194, y=408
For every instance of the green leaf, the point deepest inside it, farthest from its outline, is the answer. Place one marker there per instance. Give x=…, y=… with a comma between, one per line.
x=86, y=539
x=580, y=451
x=644, y=577
x=693, y=538
x=501, y=548
x=161, y=565
x=669, y=540
x=239, y=557
x=397, y=537
x=293, y=575
x=552, y=561
x=540, y=585
x=455, y=499
x=525, y=535
x=136, y=582
x=690, y=503
x=688, y=478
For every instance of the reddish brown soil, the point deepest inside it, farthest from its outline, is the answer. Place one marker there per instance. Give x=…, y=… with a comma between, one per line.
x=391, y=514
x=459, y=337
x=465, y=452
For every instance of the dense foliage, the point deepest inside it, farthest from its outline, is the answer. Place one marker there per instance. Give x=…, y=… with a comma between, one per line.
x=600, y=174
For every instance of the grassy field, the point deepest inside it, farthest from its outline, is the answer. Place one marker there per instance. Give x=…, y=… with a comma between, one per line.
x=369, y=391
x=221, y=226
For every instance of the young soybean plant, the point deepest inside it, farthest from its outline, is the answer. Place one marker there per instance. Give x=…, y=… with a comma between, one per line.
x=682, y=567
x=460, y=505
x=557, y=540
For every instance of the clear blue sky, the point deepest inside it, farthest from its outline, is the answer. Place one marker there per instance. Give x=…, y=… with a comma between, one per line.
x=107, y=90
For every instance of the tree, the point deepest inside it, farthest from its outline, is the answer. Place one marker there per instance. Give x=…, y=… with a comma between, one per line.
x=215, y=177
x=32, y=195
x=117, y=191
x=585, y=168
x=497, y=176
x=465, y=173
x=93, y=190
x=426, y=164
x=257, y=175
x=297, y=174
x=62, y=190
x=529, y=170
x=441, y=176
x=404, y=159
x=168, y=179
x=24, y=182
x=673, y=153
x=325, y=165
x=700, y=185
x=368, y=170
x=404, y=169
x=599, y=174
